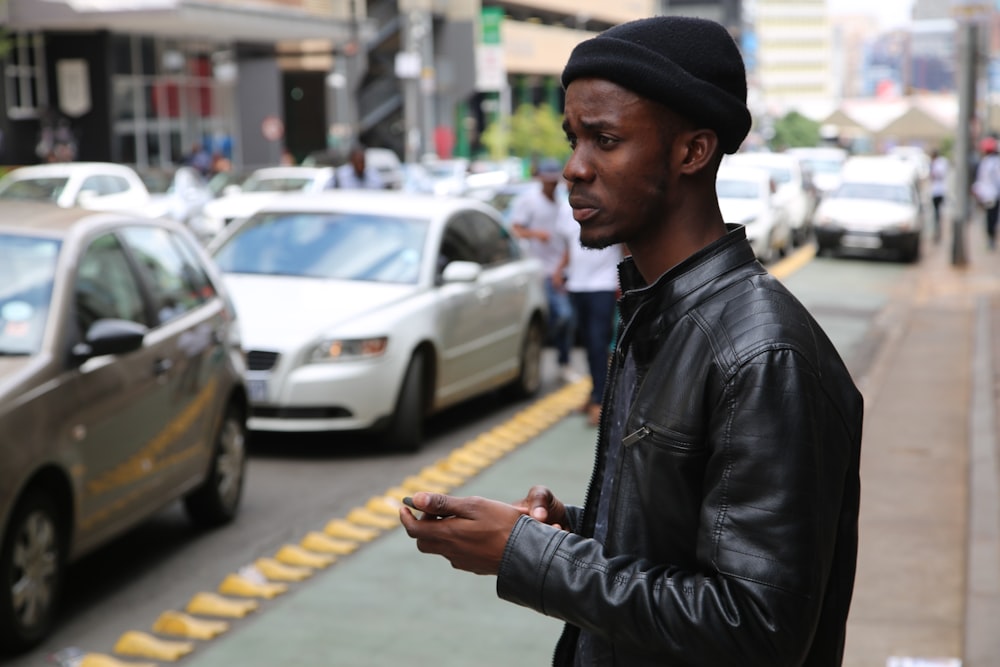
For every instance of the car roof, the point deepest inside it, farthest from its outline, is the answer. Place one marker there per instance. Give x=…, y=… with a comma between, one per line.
x=404, y=204
x=877, y=168
x=67, y=169
x=744, y=172
x=21, y=217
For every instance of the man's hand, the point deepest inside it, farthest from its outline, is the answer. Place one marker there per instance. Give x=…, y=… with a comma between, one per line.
x=540, y=504
x=470, y=532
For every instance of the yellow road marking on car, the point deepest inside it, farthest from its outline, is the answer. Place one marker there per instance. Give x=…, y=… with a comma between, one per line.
x=142, y=645
x=177, y=624
x=342, y=536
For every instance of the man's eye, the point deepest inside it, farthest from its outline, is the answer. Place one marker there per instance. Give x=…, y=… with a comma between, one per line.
x=604, y=141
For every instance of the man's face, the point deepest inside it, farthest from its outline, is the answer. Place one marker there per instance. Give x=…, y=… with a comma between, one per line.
x=619, y=170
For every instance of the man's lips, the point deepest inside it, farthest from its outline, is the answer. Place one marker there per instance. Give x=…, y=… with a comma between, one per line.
x=583, y=209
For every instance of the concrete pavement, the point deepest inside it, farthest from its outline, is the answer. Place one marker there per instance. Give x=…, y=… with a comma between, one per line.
x=929, y=564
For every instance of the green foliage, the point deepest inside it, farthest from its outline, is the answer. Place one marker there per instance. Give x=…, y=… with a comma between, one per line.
x=793, y=130
x=530, y=132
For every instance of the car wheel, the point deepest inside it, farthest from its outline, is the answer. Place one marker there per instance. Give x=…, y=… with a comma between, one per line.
x=529, y=379
x=406, y=428
x=217, y=500
x=32, y=564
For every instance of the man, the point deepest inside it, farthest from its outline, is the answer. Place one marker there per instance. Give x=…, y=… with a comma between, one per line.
x=535, y=218
x=939, y=188
x=986, y=188
x=356, y=174
x=720, y=526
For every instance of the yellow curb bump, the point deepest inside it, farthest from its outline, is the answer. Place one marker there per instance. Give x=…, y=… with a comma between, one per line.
x=414, y=484
x=293, y=554
x=345, y=530
x=458, y=468
x=432, y=474
x=275, y=571
x=210, y=604
x=493, y=440
x=325, y=544
x=397, y=493
x=384, y=506
x=141, y=645
x=365, y=517
x=176, y=624
x=101, y=660
x=241, y=586
x=472, y=458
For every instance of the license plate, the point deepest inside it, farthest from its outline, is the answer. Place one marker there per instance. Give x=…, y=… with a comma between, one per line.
x=860, y=241
x=257, y=390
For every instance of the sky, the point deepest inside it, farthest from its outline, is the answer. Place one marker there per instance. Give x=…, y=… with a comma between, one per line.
x=889, y=13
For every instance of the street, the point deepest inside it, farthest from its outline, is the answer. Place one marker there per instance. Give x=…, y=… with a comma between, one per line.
x=297, y=483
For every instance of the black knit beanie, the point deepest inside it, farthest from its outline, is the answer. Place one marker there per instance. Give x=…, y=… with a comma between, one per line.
x=690, y=65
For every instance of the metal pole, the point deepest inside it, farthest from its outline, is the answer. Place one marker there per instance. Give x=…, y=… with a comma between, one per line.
x=428, y=84
x=968, y=44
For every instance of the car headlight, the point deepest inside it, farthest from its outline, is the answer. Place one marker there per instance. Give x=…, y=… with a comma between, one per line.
x=339, y=349
x=825, y=220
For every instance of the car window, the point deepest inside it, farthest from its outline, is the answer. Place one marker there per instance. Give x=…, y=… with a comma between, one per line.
x=901, y=194
x=338, y=246
x=105, y=285
x=494, y=245
x=27, y=272
x=737, y=189
x=176, y=285
x=458, y=243
x=34, y=189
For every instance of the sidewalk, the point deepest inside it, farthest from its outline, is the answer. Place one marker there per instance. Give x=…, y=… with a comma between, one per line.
x=929, y=564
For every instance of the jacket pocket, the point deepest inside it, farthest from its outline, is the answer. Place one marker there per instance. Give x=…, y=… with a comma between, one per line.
x=657, y=435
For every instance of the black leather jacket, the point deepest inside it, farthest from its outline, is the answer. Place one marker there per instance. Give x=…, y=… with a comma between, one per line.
x=732, y=526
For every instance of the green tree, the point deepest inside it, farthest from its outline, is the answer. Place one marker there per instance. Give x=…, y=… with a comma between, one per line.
x=528, y=133
x=794, y=129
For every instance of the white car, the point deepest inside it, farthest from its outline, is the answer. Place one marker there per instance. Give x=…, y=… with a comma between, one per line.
x=793, y=195
x=875, y=210
x=823, y=163
x=262, y=185
x=96, y=186
x=178, y=193
x=369, y=310
x=745, y=198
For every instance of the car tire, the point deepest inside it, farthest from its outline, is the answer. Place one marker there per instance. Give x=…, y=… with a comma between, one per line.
x=406, y=427
x=529, y=378
x=32, y=559
x=216, y=501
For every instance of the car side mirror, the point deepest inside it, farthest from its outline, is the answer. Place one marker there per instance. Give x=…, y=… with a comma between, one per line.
x=86, y=197
x=461, y=272
x=110, y=336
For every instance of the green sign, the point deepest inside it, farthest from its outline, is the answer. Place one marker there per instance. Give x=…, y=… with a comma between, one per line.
x=491, y=18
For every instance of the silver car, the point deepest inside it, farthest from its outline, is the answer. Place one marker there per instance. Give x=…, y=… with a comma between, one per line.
x=121, y=390
x=369, y=310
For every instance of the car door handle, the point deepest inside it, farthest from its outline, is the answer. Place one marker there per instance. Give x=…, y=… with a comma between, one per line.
x=161, y=366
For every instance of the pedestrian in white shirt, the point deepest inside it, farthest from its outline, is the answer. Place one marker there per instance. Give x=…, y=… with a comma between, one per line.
x=356, y=174
x=939, y=188
x=535, y=217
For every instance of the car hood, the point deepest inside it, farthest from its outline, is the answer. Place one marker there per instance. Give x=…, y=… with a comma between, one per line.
x=283, y=313
x=739, y=210
x=862, y=212
x=238, y=206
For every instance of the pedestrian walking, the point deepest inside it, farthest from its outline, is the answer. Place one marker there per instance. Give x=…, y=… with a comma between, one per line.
x=986, y=188
x=535, y=218
x=939, y=171
x=592, y=284
x=720, y=527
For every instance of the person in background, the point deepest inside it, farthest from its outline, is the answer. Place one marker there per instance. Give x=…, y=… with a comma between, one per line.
x=200, y=159
x=592, y=284
x=939, y=188
x=986, y=187
x=356, y=174
x=721, y=521
x=535, y=217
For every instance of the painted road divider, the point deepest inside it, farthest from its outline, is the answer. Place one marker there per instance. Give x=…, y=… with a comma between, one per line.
x=210, y=604
x=143, y=645
x=243, y=586
x=177, y=624
x=293, y=554
x=365, y=517
x=275, y=571
x=345, y=530
x=323, y=543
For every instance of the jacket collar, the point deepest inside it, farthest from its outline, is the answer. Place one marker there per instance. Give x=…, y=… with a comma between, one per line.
x=711, y=264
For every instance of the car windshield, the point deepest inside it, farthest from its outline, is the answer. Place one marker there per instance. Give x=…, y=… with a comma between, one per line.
x=818, y=166
x=276, y=184
x=335, y=246
x=880, y=191
x=27, y=270
x=34, y=189
x=736, y=189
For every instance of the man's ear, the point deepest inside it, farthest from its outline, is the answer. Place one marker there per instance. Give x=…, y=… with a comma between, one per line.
x=698, y=150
